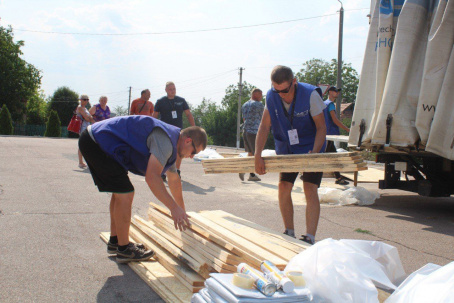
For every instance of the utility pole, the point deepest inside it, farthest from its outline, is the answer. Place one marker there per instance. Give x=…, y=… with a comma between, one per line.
x=240, y=90
x=339, y=61
x=129, y=104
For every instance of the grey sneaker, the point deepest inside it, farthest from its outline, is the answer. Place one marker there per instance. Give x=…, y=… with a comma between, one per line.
x=241, y=175
x=306, y=239
x=134, y=253
x=112, y=248
x=254, y=178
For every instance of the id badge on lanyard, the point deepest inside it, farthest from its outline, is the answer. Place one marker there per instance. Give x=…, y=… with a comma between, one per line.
x=174, y=114
x=293, y=137
x=292, y=133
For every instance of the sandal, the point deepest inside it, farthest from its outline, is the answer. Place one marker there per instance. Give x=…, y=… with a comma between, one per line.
x=82, y=166
x=342, y=181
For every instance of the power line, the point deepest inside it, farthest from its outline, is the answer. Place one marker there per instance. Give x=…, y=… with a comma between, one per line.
x=181, y=32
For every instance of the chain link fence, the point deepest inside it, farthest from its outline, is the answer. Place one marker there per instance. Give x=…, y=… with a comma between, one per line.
x=35, y=130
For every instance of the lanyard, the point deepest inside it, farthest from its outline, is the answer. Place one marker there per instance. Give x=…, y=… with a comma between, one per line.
x=292, y=109
x=172, y=103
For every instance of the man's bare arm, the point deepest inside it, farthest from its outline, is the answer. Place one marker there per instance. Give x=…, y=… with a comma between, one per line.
x=320, y=135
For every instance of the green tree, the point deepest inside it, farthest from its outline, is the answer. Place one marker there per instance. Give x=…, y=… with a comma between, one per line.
x=229, y=113
x=37, y=109
x=53, y=126
x=64, y=101
x=120, y=111
x=19, y=80
x=318, y=71
x=6, y=123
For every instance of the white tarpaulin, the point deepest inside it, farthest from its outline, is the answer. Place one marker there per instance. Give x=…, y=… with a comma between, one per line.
x=405, y=75
x=439, y=47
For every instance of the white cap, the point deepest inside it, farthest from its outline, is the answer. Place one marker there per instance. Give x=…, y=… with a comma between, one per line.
x=287, y=285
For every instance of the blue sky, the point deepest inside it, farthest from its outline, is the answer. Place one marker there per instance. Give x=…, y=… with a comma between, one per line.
x=202, y=64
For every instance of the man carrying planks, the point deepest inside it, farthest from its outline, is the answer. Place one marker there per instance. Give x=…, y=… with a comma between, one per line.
x=294, y=111
x=144, y=146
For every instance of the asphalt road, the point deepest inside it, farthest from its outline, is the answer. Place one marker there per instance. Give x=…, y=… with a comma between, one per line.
x=51, y=215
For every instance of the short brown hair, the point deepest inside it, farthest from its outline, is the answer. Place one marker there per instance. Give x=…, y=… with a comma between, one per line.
x=256, y=90
x=144, y=91
x=197, y=134
x=169, y=83
x=281, y=74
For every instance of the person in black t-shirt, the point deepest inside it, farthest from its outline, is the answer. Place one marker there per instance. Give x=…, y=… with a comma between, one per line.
x=170, y=108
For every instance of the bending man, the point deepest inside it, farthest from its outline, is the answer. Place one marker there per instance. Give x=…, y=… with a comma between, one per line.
x=144, y=146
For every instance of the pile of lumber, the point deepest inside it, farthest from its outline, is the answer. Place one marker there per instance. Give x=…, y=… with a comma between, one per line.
x=216, y=242
x=325, y=162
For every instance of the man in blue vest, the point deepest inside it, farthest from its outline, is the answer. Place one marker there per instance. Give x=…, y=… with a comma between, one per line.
x=294, y=111
x=332, y=126
x=144, y=146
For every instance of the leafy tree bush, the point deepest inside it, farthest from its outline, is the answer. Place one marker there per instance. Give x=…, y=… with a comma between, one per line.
x=36, y=109
x=6, y=123
x=19, y=80
x=318, y=71
x=53, y=128
x=64, y=101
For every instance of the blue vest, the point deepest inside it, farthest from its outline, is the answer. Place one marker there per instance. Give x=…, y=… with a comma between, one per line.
x=302, y=121
x=331, y=128
x=125, y=140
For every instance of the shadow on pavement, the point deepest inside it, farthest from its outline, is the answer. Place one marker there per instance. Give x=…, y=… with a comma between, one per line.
x=126, y=288
x=436, y=213
x=85, y=171
x=196, y=189
x=296, y=188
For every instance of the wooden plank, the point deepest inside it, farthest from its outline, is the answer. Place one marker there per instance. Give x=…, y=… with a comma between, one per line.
x=275, y=163
x=195, y=240
x=246, y=245
x=186, y=275
x=194, y=227
x=154, y=283
x=166, y=285
x=286, y=241
x=218, y=239
x=243, y=160
x=197, y=252
x=322, y=156
x=321, y=168
x=338, y=138
x=201, y=268
x=268, y=243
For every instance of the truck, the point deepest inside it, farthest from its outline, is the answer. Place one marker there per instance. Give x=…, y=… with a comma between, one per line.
x=404, y=109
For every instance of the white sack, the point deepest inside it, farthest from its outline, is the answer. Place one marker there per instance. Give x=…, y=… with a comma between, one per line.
x=345, y=271
x=431, y=283
x=353, y=195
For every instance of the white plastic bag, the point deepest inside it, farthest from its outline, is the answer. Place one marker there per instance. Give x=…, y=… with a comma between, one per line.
x=353, y=195
x=358, y=195
x=208, y=153
x=431, y=283
x=329, y=195
x=346, y=270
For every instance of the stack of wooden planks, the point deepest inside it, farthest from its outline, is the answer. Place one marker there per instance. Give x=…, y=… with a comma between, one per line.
x=324, y=162
x=217, y=241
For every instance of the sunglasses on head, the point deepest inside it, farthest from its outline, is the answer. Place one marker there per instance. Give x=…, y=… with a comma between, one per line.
x=283, y=91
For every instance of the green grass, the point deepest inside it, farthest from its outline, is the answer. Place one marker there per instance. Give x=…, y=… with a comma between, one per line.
x=363, y=231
